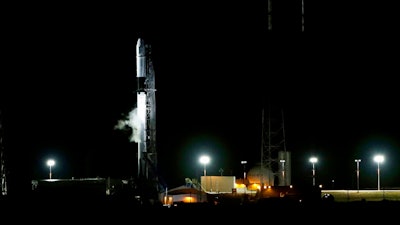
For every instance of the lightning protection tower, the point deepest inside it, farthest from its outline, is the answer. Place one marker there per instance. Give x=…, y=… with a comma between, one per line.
x=274, y=156
x=2, y=160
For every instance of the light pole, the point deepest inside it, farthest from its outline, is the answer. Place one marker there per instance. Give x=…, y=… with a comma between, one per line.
x=204, y=160
x=358, y=173
x=313, y=160
x=378, y=159
x=50, y=163
x=283, y=171
x=244, y=169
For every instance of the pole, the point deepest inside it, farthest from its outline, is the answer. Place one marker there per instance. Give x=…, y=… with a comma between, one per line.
x=283, y=174
x=379, y=182
x=358, y=174
x=313, y=174
x=50, y=172
x=244, y=169
x=379, y=159
x=205, y=172
x=358, y=177
x=313, y=160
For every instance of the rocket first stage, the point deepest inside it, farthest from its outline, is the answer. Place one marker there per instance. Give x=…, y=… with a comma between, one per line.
x=146, y=111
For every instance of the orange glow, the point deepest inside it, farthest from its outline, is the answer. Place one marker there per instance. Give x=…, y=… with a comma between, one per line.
x=168, y=200
x=240, y=185
x=189, y=200
x=254, y=187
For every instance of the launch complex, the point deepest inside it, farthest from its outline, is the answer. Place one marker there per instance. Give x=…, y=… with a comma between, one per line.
x=146, y=185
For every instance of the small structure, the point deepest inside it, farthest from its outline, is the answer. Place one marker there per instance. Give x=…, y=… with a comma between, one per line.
x=218, y=184
x=183, y=194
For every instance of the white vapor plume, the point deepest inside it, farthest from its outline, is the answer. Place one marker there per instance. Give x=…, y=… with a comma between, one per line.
x=131, y=121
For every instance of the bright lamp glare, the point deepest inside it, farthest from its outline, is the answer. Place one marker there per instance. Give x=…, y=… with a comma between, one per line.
x=204, y=160
x=378, y=158
x=51, y=162
x=313, y=159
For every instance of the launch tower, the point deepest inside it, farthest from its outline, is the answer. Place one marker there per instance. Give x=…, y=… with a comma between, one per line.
x=285, y=16
x=2, y=161
x=274, y=156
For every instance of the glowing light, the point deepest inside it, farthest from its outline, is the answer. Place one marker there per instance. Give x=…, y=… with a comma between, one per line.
x=204, y=160
x=379, y=159
x=50, y=163
x=313, y=160
x=189, y=199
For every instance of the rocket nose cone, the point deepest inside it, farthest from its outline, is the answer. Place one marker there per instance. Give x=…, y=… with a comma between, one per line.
x=139, y=42
x=140, y=47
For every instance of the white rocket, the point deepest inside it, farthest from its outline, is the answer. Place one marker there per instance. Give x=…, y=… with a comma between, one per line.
x=147, y=156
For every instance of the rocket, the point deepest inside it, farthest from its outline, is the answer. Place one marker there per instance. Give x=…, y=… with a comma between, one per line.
x=146, y=155
x=141, y=101
x=140, y=64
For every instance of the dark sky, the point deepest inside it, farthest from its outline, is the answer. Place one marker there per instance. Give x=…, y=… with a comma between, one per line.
x=71, y=75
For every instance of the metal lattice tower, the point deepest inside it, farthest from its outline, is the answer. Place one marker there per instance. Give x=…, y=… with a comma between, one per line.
x=269, y=15
x=282, y=15
x=302, y=15
x=151, y=153
x=273, y=147
x=2, y=158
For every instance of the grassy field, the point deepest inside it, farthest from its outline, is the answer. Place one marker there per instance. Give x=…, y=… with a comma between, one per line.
x=363, y=195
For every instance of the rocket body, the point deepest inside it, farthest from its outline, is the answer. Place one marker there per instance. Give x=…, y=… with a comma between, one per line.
x=141, y=102
x=146, y=111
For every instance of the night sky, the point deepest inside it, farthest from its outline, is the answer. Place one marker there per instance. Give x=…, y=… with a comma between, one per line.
x=71, y=75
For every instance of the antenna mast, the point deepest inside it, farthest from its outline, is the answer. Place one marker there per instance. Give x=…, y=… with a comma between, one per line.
x=2, y=160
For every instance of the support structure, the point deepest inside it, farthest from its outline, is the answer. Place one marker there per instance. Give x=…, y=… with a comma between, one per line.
x=2, y=160
x=269, y=14
x=274, y=156
x=285, y=16
x=302, y=15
